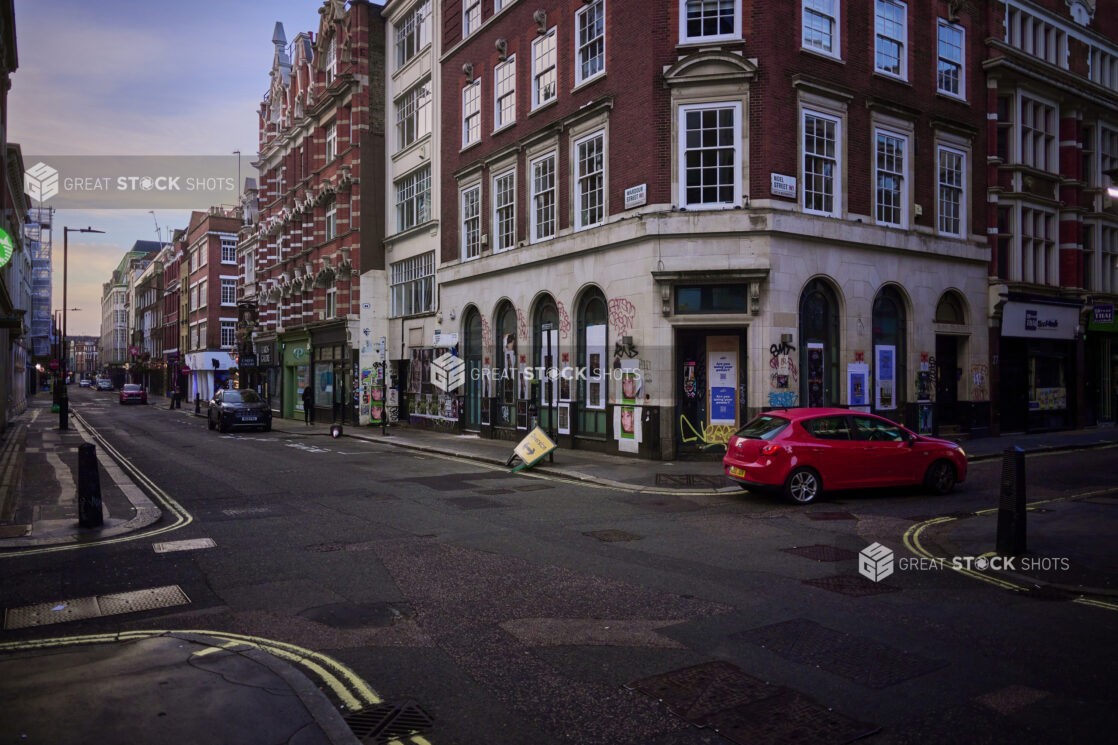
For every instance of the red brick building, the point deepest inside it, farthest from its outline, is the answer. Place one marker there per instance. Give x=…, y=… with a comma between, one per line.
x=321, y=197
x=172, y=349
x=1052, y=108
x=740, y=205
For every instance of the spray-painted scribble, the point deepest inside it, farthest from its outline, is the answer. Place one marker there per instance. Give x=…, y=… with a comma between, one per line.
x=713, y=437
x=783, y=399
x=622, y=315
x=564, y=320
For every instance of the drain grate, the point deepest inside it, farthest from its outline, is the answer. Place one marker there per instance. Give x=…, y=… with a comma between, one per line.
x=191, y=544
x=690, y=479
x=474, y=503
x=382, y=724
x=820, y=552
x=863, y=660
x=613, y=536
x=830, y=516
x=77, y=609
x=853, y=585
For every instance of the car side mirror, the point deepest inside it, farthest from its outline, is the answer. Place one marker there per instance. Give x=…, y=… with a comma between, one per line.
x=909, y=438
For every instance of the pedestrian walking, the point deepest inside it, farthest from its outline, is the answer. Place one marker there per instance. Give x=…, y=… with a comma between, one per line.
x=174, y=397
x=308, y=405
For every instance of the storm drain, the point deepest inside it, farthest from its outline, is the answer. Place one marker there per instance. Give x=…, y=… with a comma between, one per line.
x=192, y=544
x=613, y=536
x=382, y=724
x=690, y=479
x=749, y=711
x=830, y=516
x=820, y=552
x=853, y=585
x=61, y=611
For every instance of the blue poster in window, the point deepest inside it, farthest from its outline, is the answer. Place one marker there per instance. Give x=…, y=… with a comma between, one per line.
x=722, y=408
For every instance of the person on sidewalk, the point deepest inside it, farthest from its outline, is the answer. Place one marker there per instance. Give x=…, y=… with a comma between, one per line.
x=308, y=405
x=174, y=398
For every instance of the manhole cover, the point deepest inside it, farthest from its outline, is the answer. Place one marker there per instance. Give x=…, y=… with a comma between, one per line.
x=473, y=503
x=788, y=718
x=694, y=693
x=359, y=615
x=863, y=660
x=830, y=516
x=387, y=722
x=852, y=585
x=820, y=552
x=613, y=536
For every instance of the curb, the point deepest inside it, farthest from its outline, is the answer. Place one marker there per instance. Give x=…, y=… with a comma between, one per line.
x=1046, y=449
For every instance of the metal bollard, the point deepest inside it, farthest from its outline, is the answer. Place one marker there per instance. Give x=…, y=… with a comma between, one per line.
x=90, y=514
x=64, y=412
x=1011, y=505
x=197, y=405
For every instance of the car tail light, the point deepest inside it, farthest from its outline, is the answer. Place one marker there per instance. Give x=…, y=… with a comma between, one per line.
x=769, y=449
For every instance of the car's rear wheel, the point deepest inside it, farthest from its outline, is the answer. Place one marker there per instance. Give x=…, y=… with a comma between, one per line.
x=940, y=477
x=803, y=486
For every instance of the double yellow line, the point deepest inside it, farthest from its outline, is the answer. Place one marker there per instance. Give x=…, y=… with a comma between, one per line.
x=913, y=544
x=346, y=685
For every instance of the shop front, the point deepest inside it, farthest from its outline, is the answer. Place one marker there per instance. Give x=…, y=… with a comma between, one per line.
x=1101, y=379
x=296, y=374
x=1039, y=370
x=209, y=371
x=710, y=387
x=332, y=371
x=267, y=373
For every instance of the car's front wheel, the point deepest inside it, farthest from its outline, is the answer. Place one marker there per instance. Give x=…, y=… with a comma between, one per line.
x=940, y=477
x=803, y=486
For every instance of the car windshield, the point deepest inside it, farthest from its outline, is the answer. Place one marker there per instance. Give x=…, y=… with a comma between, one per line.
x=764, y=427
x=240, y=397
x=131, y=388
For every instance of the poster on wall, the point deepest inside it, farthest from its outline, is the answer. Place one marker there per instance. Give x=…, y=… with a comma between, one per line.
x=376, y=395
x=595, y=372
x=885, y=377
x=366, y=391
x=690, y=387
x=857, y=386
x=815, y=367
x=722, y=379
x=566, y=377
x=564, y=418
x=508, y=370
x=549, y=352
x=631, y=382
x=627, y=428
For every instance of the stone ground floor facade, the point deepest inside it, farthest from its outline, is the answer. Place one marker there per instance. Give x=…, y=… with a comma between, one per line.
x=664, y=333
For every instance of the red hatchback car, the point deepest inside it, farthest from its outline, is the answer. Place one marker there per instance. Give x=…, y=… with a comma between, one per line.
x=804, y=451
x=132, y=393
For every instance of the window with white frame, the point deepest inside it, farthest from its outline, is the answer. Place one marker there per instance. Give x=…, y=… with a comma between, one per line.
x=504, y=96
x=250, y=267
x=413, y=115
x=590, y=180
x=950, y=199
x=412, y=285
x=228, y=291
x=1108, y=157
x=203, y=300
x=951, y=55
x=1107, y=276
x=543, y=198
x=194, y=297
x=1038, y=135
x=193, y=337
x=890, y=37
x=471, y=113
x=709, y=20
x=544, y=80
x=331, y=219
x=504, y=211
x=203, y=338
x=710, y=155
x=331, y=141
x=1104, y=68
x=590, y=51
x=1036, y=36
x=228, y=250
x=471, y=16
x=821, y=166
x=228, y=334
x=331, y=302
x=820, y=20
x=1037, y=261
x=203, y=255
x=471, y=222
x=413, y=33
x=413, y=199
x=331, y=60
x=890, y=178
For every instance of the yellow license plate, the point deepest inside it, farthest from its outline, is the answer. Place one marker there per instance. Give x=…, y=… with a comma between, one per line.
x=735, y=471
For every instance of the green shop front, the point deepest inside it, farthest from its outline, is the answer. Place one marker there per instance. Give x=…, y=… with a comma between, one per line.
x=296, y=372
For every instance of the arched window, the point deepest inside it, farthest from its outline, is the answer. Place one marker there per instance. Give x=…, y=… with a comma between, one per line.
x=889, y=349
x=472, y=354
x=950, y=309
x=545, y=355
x=819, y=345
x=505, y=363
x=593, y=337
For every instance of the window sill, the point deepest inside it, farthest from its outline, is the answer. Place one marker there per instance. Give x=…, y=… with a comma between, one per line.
x=418, y=143
x=589, y=81
x=952, y=97
x=503, y=127
x=891, y=78
x=823, y=55
x=472, y=145
x=707, y=40
x=402, y=69
x=544, y=105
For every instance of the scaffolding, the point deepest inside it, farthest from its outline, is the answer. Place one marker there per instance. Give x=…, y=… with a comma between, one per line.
x=39, y=234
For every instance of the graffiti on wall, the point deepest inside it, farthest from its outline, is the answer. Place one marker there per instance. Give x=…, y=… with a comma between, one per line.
x=711, y=437
x=784, y=376
x=980, y=377
x=521, y=324
x=622, y=315
x=564, y=320
x=486, y=333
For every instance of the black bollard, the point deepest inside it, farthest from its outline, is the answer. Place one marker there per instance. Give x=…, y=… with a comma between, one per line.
x=1011, y=505
x=90, y=514
x=64, y=412
x=197, y=405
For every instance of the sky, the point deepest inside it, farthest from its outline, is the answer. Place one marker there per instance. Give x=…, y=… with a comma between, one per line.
x=132, y=77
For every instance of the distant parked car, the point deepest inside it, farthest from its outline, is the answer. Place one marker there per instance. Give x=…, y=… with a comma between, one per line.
x=131, y=393
x=85, y=383
x=237, y=408
x=804, y=451
x=104, y=384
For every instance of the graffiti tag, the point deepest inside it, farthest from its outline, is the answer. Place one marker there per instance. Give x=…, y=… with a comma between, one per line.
x=622, y=315
x=712, y=436
x=783, y=399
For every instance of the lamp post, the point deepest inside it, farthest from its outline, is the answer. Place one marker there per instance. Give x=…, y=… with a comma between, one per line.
x=64, y=403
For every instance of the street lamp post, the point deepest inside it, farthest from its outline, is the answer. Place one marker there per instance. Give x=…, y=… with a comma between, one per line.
x=64, y=403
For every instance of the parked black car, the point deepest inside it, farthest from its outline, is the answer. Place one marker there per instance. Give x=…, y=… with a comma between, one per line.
x=234, y=408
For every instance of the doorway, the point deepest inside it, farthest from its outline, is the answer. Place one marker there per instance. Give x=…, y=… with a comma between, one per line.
x=710, y=388
x=947, y=379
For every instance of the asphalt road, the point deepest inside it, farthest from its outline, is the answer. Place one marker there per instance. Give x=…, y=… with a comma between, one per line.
x=519, y=609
